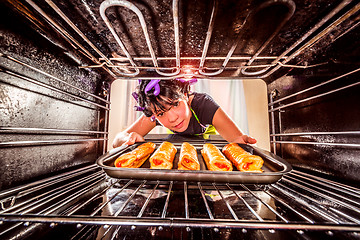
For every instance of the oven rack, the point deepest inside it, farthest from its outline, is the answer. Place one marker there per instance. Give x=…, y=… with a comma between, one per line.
x=299, y=202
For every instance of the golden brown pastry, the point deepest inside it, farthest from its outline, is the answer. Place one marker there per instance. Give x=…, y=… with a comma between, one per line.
x=188, y=158
x=214, y=159
x=136, y=157
x=163, y=157
x=243, y=160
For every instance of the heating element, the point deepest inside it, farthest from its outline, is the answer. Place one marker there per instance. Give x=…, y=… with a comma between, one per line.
x=300, y=205
x=261, y=62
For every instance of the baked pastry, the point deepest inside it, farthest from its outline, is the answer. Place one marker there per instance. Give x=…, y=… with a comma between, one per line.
x=243, y=161
x=188, y=159
x=163, y=157
x=214, y=159
x=136, y=157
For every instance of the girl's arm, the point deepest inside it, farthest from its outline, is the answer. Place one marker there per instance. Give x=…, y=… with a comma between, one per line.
x=228, y=129
x=135, y=132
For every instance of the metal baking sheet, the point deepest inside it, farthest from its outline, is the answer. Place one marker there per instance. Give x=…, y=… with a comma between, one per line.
x=274, y=167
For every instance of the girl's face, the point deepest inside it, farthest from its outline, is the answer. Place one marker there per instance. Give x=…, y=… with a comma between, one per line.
x=176, y=117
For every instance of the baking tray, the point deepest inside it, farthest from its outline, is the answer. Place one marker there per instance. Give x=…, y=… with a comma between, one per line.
x=274, y=167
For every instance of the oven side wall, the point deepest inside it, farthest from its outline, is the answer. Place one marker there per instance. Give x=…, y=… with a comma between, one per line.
x=330, y=115
x=46, y=125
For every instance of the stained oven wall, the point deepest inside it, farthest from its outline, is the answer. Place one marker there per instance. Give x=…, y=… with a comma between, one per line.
x=44, y=123
x=326, y=106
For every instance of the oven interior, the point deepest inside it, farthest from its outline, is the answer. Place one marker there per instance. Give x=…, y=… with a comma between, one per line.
x=59, y=60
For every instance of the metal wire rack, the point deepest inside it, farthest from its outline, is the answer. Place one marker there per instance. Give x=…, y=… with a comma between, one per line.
x=299, y=202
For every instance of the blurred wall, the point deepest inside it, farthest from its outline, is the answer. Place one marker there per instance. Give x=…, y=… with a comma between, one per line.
x=257, y=111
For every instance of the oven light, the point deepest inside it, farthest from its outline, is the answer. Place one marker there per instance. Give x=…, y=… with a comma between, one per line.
x=188, y=71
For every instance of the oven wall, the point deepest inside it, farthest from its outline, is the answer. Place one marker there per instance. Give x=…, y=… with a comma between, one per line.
x=325, y=105
x=34, y=107
x=257, y=105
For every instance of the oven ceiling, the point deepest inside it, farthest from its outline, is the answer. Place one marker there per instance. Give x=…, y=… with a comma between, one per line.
x=214, y=38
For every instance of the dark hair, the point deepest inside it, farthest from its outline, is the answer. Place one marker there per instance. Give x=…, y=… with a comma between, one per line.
x=170, y=90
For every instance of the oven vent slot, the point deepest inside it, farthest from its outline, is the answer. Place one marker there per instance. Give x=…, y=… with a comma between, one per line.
x=300, y=203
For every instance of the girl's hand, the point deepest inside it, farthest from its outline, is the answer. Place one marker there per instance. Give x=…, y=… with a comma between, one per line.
x=244, y=139
x=133, y=138
x=127, y=138
x=248, y=139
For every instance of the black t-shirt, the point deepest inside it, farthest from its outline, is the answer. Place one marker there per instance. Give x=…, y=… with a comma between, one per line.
x=204, y=107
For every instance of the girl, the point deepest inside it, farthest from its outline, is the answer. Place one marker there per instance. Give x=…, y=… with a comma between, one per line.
x=169, y=103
